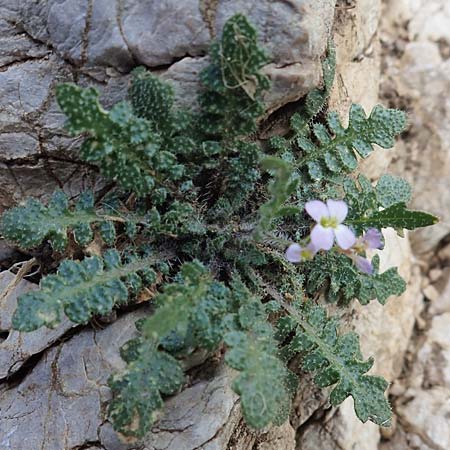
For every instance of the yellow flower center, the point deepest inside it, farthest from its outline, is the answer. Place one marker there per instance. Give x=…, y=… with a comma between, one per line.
x=306, y=254
x=329, y=222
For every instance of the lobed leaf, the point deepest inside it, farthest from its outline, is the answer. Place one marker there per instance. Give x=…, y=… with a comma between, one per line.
x=263, y=381
x=80, y=289
x=233, y=82
x=337, y=360
x=339, y=146
x=123, y=145
x=281, y=188
x=30, y=224
x=396, y=216
x=342, y=280
x=137, y=393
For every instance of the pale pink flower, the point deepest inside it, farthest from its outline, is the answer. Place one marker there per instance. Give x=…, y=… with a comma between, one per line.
x=296, y=253
x=363, y=264
x=329, y=218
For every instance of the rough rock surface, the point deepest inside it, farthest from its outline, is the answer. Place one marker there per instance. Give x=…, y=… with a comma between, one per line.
x=99, y=42
x=416, y=41
x=417, y=73
x=16, y=347
x=60, y=402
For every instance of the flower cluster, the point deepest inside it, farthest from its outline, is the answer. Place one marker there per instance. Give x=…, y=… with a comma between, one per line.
x=329, y=228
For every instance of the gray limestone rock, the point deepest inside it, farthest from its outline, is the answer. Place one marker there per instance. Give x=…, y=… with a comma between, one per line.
x=16, y=348
x=98, y=43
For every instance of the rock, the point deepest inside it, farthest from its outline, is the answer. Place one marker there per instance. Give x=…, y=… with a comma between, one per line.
x=386, y=330
x=430, y=20
x=431, y=293
x=98, y=43
x=442, y=303
x=426, y=416
x=18, y=347
x=432, y=365
x=435, y=274
x=60, y=403
x=444, y=254
x=213, y=401
x=424, y=156
x=341, y=431
x=424, y=408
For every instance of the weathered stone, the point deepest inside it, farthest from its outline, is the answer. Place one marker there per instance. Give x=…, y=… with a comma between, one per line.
x=419, y=78
x=432, y=365
x=429, y=20
x=442, y=303
x=18, y=347
x=53, y=41
x=338, y=432
x=426, y=416
x=386, y=330
x=60, y=403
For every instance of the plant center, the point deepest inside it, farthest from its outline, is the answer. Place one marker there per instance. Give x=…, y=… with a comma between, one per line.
x=329, y=222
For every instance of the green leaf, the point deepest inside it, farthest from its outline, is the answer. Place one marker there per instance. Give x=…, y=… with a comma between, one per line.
x=281, y=188
x=260, y=383
x=391, y=190
x=190, y=314
x=81, y=289
x=233, y=82
x=30, y=224
x=151, y=98
x=137, y=391
x=337, y=154
x=342, y=280
x=396, y=216
x=263, y=379
x=123, y=145
x=337, y=360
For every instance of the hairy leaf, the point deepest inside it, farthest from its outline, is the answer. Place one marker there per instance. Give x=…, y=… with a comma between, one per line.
x=391, y=190
x=263, y=379
x=80, y=289
x=342, y=280
x=281, y=189
x=30, y=224
x=137, y=391
x=233, y=82
x=336, y=150
x=123, y=145
x=337, y=360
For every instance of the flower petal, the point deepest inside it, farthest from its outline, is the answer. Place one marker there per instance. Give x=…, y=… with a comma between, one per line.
x=373, y=239
x=338, y=209
x=322, y=238
x=364, y=265
x=294, y=253
x=317, y=209
x=312, y=248
x=344, y=237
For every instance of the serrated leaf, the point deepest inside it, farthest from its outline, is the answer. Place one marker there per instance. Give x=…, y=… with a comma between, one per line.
x=396, y=216
x=391, y=190
x=260, y=384
x=337, y=361
x=380, y=128
x=343, y=280
x=233, y=81
x=80, y=289
x=120, y=143
x=30, y=224
x=280, y=188
x=151, y=98
x=137, y=392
